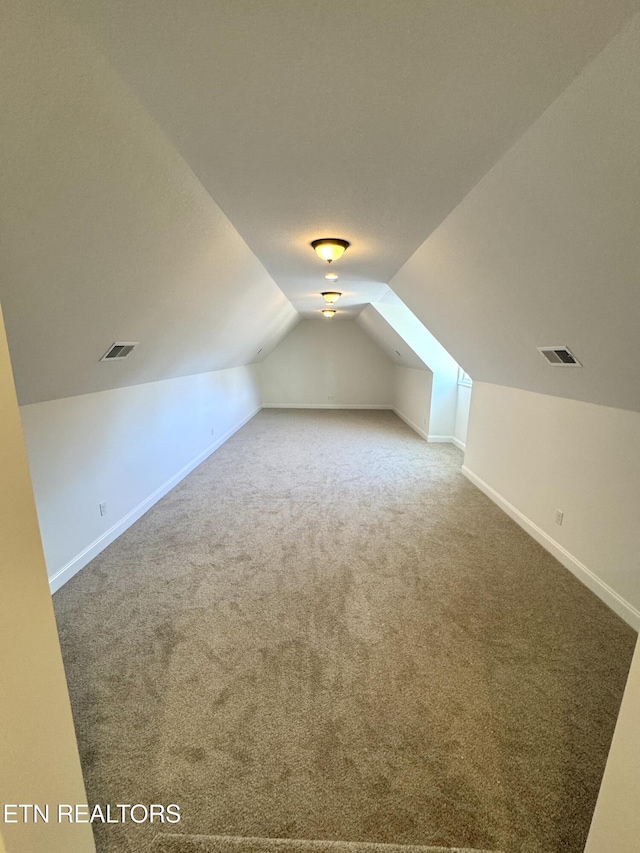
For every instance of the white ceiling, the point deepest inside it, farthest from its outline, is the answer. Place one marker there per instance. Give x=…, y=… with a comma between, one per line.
x=165, y=166
x=107, y=235
x=389, y=340
x=546, y=249
x=364, y=120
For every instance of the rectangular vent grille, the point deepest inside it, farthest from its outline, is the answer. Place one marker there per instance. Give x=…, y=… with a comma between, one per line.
x=559, y=356
x=119, y=350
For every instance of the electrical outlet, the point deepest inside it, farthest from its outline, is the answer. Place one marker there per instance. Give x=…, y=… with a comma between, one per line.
x=330, y=397
x=559, y=516
x=103, y=508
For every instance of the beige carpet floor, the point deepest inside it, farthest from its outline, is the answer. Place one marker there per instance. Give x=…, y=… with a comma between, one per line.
x=229, y=844
x=326, y=632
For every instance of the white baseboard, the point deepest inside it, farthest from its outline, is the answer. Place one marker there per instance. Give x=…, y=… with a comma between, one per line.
x=610, y=597
x=410, y=423
x=80, y=561
x=324, y=406
x=448, y=439
x=434, y=439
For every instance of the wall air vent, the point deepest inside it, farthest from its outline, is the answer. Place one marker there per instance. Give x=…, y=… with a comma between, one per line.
x=119, y=350
x=559, y=356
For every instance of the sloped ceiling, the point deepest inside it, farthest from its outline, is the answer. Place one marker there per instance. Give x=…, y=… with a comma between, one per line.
x=364, y=120
x=124, y=130
x=107, y=234
x=546, y=249
x=417, y=336
x=388, y=339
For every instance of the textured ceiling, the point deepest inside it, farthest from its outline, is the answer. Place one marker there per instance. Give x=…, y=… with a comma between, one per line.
x=365, y=120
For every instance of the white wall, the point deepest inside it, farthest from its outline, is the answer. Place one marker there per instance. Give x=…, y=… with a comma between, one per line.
x=388, y=338
x=409, y=344
x=412, y=399
x=616, y=820
x=125, y=447
x=463, y=405
x=39, y=760
x=545, y=249
x=534, y=454
x=330, y=363
x=107, y=233
x=442, y=417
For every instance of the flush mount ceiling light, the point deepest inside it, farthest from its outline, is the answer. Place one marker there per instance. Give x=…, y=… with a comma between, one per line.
x=328, y=313
x=331, y=296
x=330, y=248
x=331, y=276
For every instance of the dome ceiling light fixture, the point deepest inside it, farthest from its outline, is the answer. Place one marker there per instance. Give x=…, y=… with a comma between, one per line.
x=328, y=313
x=331, y=296
x=331, y=276
x=330, y=248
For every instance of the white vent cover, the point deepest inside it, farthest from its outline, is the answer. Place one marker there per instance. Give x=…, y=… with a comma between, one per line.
x=119, y=350
x=560, y=356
